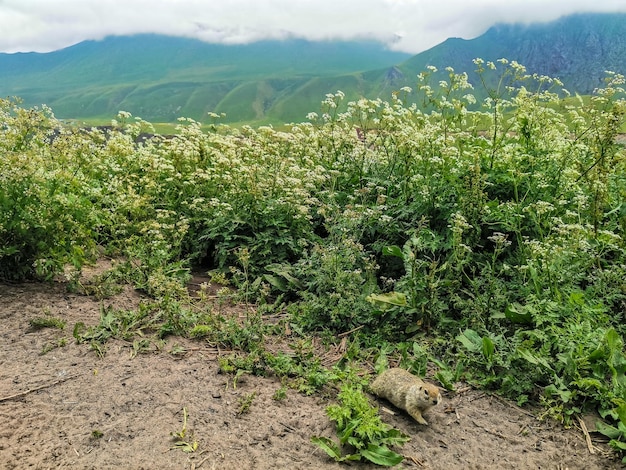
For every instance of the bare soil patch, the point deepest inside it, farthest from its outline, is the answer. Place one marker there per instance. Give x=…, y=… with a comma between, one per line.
x=70, y=408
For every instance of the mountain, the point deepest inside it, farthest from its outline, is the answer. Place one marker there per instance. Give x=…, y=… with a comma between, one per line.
x=161, y=78
x=577, y=49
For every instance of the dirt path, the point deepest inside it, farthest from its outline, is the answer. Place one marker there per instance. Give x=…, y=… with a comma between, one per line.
x=69, y=408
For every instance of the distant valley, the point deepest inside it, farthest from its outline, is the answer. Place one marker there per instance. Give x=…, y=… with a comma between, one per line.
x=162, y=78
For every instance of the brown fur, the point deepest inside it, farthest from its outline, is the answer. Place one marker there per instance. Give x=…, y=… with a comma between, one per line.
x=407, y=392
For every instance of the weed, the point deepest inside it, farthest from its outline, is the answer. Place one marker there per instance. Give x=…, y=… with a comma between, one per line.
x=280, y=394
x=303, y=371
x=183, y=439
x=122, y=324
x=101, y=286
x=140, y=346
x=51, y=345
x=47, y=322
x=245, y=402
x=359, y=427
x=98, y=348
x=240, y=364
x=338, y=278
x=178, y=350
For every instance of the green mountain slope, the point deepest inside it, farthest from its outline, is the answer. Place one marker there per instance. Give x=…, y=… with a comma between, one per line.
x=161, y=78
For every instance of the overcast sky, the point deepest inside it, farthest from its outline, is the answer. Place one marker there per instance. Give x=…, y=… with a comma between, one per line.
x=408, y=25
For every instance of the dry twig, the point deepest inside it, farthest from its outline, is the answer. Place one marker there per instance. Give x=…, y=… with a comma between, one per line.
x=415, y=460
x=346, y=333
x=204, y=460
x=494, y=433
x=583, y=426
x=514, y=406
x=21, y=394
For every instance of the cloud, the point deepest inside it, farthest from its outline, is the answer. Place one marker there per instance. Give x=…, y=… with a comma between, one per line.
x=408, y=25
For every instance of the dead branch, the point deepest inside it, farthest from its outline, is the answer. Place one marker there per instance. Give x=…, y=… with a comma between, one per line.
x=21, y=394
x=346, y=333
x=583, y=426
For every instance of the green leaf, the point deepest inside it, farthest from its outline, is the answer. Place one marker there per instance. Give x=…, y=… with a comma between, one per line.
x=332, y=449
x=621, y=412
x=471, y=340
x=516, y=313
x=381, y=455
x=604, y=412
x=395, y=437
x=347, y=433
x=79, y=328
x=613, y=341
x=276, y=282
x=329, y=446
x=107, y=320
x=384, y=301
x=382, y=363
x=285, y=272
x=607, y=430
x=393, y=251
x=619, y=445
x=577, y=298
x=188, y=447
x=533, y=359
x=589, y=383
x=412, y=328
x=564, y=394
x=445, y=378
x=488, y=348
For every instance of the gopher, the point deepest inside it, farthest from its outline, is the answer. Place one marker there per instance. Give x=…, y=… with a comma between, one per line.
x=407, y=392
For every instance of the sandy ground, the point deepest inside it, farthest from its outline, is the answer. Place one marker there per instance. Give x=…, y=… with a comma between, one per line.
x=70, y=408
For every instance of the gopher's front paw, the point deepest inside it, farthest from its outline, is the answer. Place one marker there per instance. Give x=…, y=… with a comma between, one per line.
x=417, y=416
